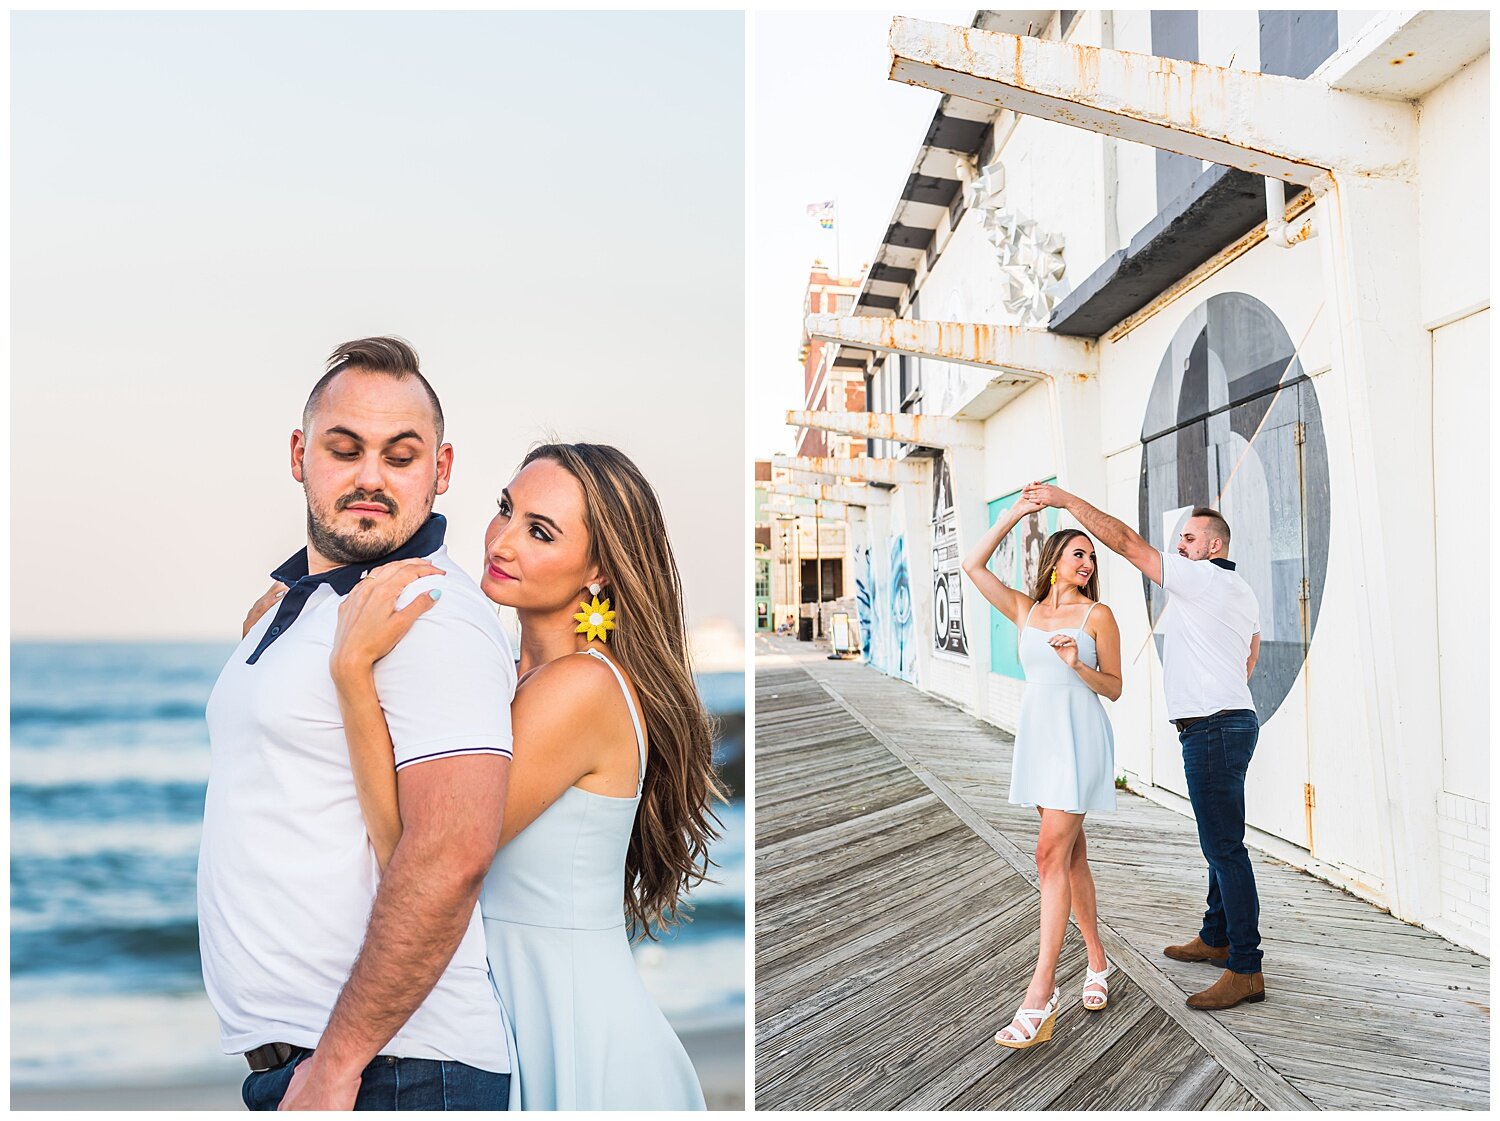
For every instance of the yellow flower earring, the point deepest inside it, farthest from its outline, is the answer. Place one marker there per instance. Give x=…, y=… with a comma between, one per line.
x=596, y=620
x=1054, y=577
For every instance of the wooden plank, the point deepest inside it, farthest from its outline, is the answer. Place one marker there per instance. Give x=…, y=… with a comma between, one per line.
x=1038, y=1076
x=1240, y=1061
x=1151, y=1060
x=1231, y=1096
x=884, y=973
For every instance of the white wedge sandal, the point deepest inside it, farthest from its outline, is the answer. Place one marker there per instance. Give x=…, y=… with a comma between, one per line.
x=1097, y=1001
x=1032, y=1025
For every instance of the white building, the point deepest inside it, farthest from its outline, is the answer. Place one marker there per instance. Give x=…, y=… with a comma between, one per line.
x=1080, y=282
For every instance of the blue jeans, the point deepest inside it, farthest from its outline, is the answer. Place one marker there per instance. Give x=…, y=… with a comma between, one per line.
x=1216, y=754
x=392, y=1083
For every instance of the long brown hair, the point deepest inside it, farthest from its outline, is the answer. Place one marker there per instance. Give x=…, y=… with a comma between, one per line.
x=1052, y=551
x=668, y=852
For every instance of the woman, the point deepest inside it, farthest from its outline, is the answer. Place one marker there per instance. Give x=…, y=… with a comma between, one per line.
x=611, y=779
x=1064, y=754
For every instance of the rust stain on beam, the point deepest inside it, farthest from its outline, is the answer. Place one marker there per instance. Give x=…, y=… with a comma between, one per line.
x=1025, y=352
x=1287, y=128
x=928, y=431
x=869, y=469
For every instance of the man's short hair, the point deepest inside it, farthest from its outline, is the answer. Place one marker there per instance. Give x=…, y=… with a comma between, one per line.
x=1217, y=526
x=384, y=354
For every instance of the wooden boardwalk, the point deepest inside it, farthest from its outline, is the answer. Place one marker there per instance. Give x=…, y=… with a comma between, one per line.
x=896, y=917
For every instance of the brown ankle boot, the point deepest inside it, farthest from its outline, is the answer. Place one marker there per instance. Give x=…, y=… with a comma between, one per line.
x=1230, y=989
x=1198, y=950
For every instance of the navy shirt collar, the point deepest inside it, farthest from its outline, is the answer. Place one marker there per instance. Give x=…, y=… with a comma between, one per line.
x=1222, y=563
x=300, y=585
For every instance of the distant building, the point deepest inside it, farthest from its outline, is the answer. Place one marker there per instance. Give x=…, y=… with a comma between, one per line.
x=829, y=381
x=808, y=572
x=764, y=618
x=1062, y=293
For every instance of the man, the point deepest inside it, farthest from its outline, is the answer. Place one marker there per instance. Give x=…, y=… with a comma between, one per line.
x=1212, y=643
x=345, y=987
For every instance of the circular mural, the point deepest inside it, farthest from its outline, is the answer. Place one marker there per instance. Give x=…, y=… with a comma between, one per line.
x=1233, y=422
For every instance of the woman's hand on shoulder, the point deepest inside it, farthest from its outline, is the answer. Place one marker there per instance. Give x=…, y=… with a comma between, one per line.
x=263, y=604
x=369, y=625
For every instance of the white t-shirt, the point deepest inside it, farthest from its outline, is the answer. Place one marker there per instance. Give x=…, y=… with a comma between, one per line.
x=1209, y=621
x=286, y=873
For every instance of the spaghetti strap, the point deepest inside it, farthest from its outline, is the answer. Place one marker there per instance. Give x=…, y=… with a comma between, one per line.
x=640, y=736
x=1027, y=623
x=1086, y=615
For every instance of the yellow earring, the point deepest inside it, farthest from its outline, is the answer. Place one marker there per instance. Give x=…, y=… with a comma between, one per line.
x=596, y=620
x=1053, y=580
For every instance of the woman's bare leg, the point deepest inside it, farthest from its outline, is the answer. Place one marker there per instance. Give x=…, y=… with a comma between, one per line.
x=1054, y=857
x=1085, y=906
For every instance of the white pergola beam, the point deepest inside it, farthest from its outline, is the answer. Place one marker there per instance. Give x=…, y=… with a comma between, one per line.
x=818, y=478
x=892, y=472
x=1024, y=352
x=850, y=496
x=923, y=429
x=783, y=506
x=1287, y=128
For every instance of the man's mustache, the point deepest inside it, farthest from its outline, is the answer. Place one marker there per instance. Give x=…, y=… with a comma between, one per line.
x=370, y=499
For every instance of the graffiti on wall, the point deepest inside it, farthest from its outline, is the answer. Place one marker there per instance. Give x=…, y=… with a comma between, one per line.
x=948, y=634
x=883, y=595
x=902, y=648
x=864, y=599
x=1016, y=562
x=1229, y=377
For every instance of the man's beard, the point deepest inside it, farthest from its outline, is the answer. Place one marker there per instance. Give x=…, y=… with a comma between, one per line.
x=368, y=542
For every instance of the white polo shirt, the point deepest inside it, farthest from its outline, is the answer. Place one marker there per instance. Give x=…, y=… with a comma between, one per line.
x=1209, y=622
x=286, y=873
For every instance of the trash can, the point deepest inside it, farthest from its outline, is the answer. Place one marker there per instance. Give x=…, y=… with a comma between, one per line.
x=804, y=628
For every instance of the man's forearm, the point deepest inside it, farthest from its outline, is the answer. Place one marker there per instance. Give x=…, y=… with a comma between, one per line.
x=1114, y=533
x=421, y=912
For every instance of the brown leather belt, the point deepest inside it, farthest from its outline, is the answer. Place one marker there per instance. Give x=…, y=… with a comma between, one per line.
x=269, y=1056
x=1188, y=721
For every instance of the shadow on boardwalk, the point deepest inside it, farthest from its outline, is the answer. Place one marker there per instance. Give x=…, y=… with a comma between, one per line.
x=896, y=928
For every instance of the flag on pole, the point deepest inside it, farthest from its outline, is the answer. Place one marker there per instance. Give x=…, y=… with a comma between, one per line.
x=823, y=212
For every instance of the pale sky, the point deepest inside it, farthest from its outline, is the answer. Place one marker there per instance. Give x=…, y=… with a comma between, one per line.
x=549, y=207
x=827, y=123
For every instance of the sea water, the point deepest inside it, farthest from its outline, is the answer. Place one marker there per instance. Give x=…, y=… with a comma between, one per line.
x=109, y=764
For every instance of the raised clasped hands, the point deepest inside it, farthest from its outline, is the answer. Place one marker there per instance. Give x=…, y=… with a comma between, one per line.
x=369, y=625
x=1044, y=494
x=1066, y=648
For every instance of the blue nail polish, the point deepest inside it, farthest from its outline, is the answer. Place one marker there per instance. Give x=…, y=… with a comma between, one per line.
x=436, y=593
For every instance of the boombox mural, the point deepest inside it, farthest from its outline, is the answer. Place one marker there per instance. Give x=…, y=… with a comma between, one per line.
x=948, y=635
x=1233, y=422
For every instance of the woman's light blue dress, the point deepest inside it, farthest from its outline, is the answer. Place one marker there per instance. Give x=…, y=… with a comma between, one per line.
x=587, y=1035
x=1065, y=747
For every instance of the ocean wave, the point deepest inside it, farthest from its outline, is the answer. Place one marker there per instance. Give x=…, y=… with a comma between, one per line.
x=144, y=803
x=72, y=1039
x=31, y=838
x=96, y=766
x=137, y=953
x=64, y=711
